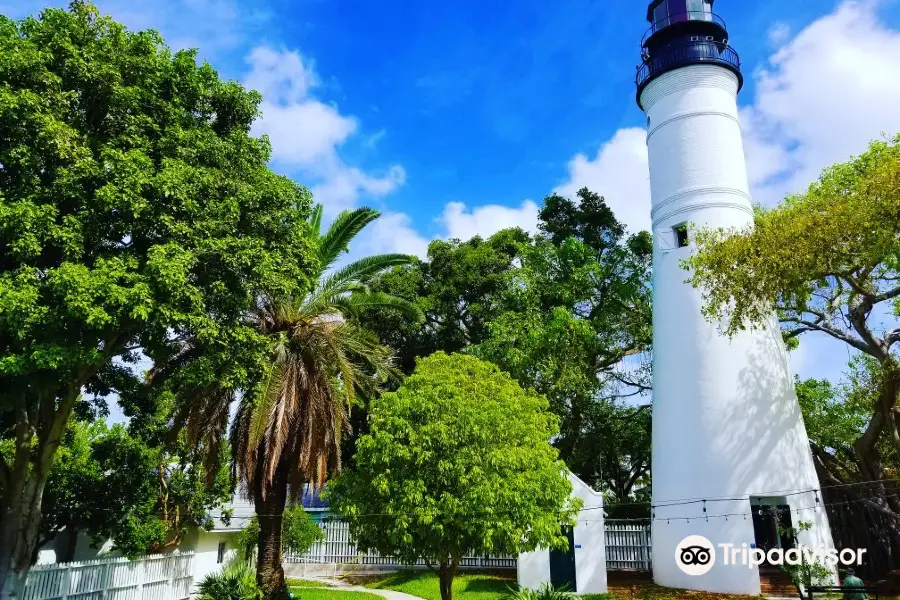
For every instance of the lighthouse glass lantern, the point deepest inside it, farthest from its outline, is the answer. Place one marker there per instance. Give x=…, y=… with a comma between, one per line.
x=684, y=32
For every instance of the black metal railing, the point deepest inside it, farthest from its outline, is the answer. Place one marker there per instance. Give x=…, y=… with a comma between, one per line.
x=678, y=54
x=691, y=15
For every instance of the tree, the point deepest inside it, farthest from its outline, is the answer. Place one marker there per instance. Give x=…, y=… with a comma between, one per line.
x=566, y=311
x=101, y=477
x=574, y=314
x=807, y=572
x=458, y=288
x=135, y=209
x=288, y=427
x=111, y=484
x=457, y=463
x=828, y=261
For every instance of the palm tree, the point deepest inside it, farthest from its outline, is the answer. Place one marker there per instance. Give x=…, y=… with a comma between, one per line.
x=287, y=432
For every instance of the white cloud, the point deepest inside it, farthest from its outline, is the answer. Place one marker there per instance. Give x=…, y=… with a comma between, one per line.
x=619, y=172
x=306, y=133
x=392, y=232
x=461, y=223
x=778, y=33
x=821, y=97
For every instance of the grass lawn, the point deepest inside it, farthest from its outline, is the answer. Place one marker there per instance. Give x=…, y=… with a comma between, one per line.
x=324, y=593
x=494, y=586
x=306, y=583
x=466, y=585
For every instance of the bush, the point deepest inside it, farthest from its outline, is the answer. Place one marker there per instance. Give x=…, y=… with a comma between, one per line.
x=236, y=581
x=545, y=592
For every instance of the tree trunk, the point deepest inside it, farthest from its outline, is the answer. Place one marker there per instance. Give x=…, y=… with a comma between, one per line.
x=445, y=576
x=21, y=519
x=269, y=504
x=19, y=532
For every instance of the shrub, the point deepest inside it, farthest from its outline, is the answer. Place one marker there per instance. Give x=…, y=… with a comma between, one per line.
x=236, y=581
x=545, y=592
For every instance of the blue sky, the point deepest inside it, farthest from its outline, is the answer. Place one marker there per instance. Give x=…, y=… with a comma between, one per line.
x=457, y=118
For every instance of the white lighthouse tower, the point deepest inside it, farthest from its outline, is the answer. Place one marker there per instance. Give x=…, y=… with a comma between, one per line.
x=731, y=459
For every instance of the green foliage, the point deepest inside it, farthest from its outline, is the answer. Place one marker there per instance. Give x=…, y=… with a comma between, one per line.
x=136, y=211
x=106, y=483
x=545, y=592
x=458, y=288
x=466, y=586
x=298, y=533
x=236, y=580
x=457, y=463
x=834, y=416
x=806, y=573
x=828, y=261
x=561, y=312
x=819, y=252
x=578, y=307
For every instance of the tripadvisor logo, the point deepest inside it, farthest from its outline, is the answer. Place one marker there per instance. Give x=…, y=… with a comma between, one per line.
x=696, y=555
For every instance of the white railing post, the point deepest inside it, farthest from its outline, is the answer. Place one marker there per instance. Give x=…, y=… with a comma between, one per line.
x=104, y=580
x=65, y=583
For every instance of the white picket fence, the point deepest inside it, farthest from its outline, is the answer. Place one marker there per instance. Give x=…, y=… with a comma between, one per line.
x=338, y=548
x=162, y=577
x=627, y=545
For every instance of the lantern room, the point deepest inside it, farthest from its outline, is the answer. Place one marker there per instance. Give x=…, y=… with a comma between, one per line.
x=682, y=33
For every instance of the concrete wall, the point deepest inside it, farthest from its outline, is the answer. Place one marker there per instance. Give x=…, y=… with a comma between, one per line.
x=726, y=423
x=590, y=548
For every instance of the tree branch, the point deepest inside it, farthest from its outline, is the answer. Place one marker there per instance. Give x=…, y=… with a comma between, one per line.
x=810, y=325
x=887, y=295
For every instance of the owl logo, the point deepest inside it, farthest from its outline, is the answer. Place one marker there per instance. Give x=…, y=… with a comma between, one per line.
x=695, y=555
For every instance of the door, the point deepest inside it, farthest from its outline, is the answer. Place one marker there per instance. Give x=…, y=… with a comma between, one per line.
x=772, y=526
x=562, y=564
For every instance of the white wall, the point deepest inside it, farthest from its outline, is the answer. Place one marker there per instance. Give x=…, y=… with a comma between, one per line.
x=590, y=548
x=205, y=545
x=726, y=423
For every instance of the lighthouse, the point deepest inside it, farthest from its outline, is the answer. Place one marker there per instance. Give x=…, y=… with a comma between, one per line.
x=731, y=460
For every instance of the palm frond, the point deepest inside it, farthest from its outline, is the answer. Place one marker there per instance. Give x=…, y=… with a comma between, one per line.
x=344, y=228
x=268, y=397
x=358, y=302
x=315, y=219
x=364, y=268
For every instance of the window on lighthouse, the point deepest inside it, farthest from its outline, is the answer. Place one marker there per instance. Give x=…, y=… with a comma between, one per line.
x=681, y=235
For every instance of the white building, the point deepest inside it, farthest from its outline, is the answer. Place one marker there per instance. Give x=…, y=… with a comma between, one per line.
x=728, y=437
x=583, y=566
x=212, y=549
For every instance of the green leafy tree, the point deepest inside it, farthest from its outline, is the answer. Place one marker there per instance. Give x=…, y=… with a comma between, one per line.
x=806, y=573
x=835, y=416
x=457, y=463
x=135, y=210
x=825, y=261
x=566, y=311
x=102, y=478
x=288, y=428
x=576, y=326
x=458, y=288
